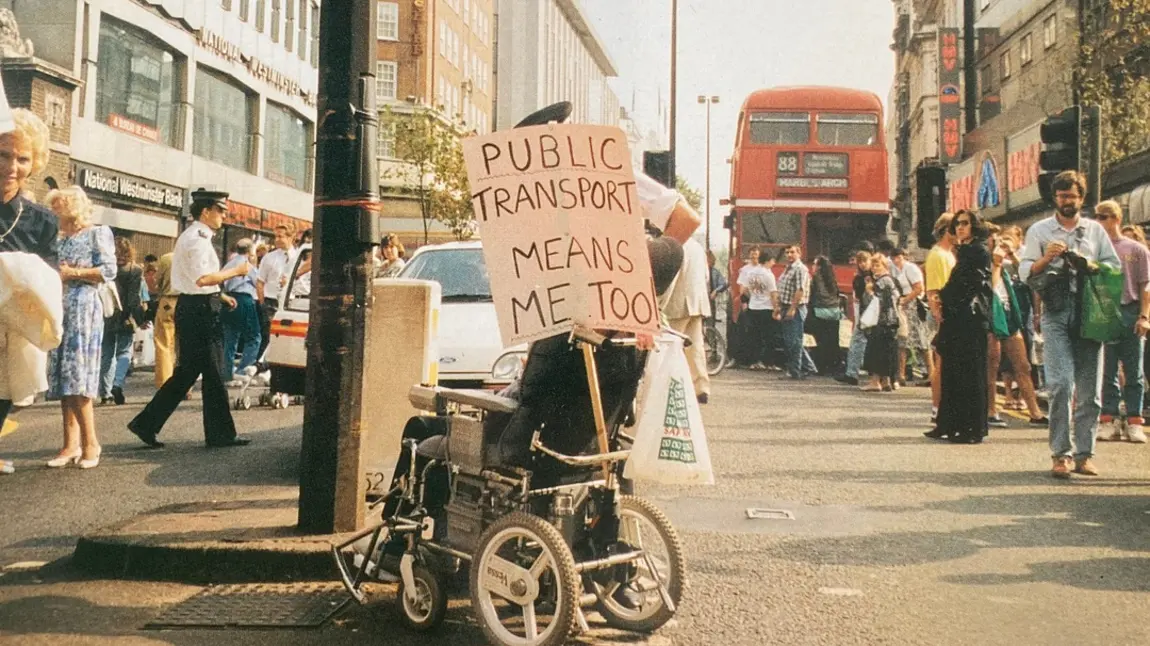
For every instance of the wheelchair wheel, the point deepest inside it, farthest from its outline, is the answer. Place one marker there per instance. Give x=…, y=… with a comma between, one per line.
x=524, y=587
x=716, y=347
x=426, y=611
x=637, y=605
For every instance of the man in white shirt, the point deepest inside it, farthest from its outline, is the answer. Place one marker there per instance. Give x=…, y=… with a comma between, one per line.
x=196, y=278
x=273, y=268
x=686, y=304
x=912, y=287
x=759, y=283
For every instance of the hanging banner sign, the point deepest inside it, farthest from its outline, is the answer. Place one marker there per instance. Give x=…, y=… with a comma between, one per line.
x=949, y=97
x=562, y=230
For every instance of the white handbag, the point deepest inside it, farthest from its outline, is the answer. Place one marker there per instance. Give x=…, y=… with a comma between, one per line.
x=869, y=316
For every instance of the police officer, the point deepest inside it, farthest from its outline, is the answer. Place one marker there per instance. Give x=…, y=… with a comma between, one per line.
x=196, y=279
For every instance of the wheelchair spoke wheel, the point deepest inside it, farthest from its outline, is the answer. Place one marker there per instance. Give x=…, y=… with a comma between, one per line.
x=524, y=587
x=638, y=605
x=716, y=347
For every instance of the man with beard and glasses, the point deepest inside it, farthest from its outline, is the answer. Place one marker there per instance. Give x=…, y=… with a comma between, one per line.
x=1071, y=363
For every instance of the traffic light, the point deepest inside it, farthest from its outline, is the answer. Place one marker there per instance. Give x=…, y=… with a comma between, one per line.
x=930, y=202
x=1060, y=136
x=659, y=166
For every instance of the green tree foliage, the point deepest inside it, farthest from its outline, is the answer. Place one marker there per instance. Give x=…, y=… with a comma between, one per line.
x=1113, y=69
x=432, y=168
x=694, y=197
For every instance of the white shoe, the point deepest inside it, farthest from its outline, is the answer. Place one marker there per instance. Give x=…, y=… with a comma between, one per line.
x=1136, y=434
x=6, y=467
x=1110, y=431
x=250, y=371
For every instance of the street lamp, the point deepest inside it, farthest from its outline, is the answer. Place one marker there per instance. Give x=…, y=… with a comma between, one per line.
x=707, y=101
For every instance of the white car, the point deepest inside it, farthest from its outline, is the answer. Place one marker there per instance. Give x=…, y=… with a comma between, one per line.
x=471, y=354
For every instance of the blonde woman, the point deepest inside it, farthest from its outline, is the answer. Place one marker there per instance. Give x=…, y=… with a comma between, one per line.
x=24, y=225
x=87, y=259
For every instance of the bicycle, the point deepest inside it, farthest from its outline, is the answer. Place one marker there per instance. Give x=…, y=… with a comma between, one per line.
x=716, y=345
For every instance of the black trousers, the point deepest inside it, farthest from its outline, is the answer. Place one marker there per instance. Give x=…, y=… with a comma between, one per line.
x=5, y=407
x=200, y=351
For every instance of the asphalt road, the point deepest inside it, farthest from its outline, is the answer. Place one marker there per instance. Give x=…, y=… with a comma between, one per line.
x=894, y=539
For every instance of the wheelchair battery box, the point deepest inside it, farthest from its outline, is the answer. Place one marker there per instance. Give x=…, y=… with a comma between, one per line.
x=465, y=515
x=466, y=449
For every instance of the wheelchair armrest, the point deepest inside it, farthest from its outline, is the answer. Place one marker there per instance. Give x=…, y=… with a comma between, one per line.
x=425, y=398
x=480, y=399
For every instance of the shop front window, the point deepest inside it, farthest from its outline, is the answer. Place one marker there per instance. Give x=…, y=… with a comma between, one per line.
x=137, y=85
x=223, y=121
x=285, y=153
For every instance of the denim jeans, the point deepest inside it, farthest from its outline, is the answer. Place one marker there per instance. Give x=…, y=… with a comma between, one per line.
x=1127, y=350
x=1073, y=369
x=857, y=352
x=115, y=359
x=798, y=359
x=240, y=323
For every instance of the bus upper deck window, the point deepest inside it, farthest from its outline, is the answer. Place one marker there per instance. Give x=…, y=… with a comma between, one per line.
x=780, y=128
x=847, y=129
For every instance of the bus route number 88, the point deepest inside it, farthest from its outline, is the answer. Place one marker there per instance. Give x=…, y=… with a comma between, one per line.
x=788, y=163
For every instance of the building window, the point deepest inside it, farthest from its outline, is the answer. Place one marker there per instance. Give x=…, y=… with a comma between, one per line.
x=1050, y=31
x=385, y=142
x=387, y=21
x=1004, y=65
x=137, y=85
x=289, y=26
x=304, y=34
x=315, y=34
x=1026, y=52
x=226, y=5
x=386, y=79
x=984, y=80
x=223, y=121
x=286, y=147
x=245, y=9
x=261, y=14
x=277, y=17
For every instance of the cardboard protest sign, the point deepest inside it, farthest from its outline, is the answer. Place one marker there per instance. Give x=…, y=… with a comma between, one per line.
x=562, y=230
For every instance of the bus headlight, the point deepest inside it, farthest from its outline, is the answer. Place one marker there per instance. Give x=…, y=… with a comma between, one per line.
x=508, y=367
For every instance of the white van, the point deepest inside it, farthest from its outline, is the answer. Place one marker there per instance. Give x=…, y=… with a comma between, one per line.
x=471, y=351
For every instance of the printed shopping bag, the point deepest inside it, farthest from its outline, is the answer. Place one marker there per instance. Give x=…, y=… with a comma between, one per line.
x=1101, y=314
x=670, y=444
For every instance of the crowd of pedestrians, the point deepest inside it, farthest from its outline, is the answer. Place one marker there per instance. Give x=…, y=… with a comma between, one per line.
x=992, y=309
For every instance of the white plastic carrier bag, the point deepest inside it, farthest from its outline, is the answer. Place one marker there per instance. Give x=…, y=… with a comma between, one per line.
x=670, y=443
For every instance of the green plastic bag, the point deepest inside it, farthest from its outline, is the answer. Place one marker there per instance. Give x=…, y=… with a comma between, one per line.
x=1101, y=310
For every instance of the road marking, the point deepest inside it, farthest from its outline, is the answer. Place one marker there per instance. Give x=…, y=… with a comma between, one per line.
x=769, y=514
x=25, y=566
x=841, y=592
x=10, y=426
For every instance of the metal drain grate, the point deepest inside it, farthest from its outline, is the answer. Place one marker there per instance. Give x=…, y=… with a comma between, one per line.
x=256, y=605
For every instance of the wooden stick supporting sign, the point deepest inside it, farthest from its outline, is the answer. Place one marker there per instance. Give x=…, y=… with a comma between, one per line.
x=562, y=230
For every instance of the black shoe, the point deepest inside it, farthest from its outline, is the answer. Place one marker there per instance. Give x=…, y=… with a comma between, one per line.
x=146, y=438
x=1040, y=421
x=235, y=441
x=844, y=379
x=702, y=398
x=936, y=434
x=118, y=395
x=966, y=439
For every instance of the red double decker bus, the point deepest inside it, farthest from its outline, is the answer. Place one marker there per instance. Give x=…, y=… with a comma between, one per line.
x=809, y=168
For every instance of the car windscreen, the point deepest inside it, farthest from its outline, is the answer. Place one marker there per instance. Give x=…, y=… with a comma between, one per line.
x=461, y=273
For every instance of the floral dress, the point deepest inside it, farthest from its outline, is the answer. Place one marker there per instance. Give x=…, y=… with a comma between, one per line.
x=74, y=367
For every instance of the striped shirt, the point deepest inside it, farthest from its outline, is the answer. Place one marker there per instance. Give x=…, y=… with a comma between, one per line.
x=795, y=279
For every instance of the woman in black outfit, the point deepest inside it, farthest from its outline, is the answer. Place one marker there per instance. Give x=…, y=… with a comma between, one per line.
x=961, y=339
x=826, y=313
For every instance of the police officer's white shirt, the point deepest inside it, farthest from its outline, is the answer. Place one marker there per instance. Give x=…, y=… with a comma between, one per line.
x=194, y=257
x=273, y=268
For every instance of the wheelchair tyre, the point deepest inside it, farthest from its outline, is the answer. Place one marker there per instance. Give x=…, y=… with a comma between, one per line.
x=641, y=522
x=426, y=612
x=515, y=545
